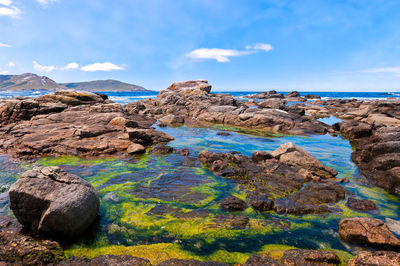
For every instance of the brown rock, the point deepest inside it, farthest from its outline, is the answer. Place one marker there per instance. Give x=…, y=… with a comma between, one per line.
x=377, y=258
x=106, y=260
x=135, y=149
x=49, y=201
x=232, y=203
x=361, y=204
x=369, y=231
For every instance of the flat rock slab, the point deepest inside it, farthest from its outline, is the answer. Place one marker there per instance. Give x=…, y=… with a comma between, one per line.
x=368, y=231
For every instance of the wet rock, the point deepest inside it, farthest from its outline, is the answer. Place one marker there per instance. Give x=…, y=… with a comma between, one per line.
x=259, y=156
x=375, y=258
x=274, y=180
x=135, y=149
x=47, y=200
x=223, y=133
x=182, y=152
x=17, y=248
x=232, y=203
x=106, y=260
x=296, y=257
x=180, y=262
x=369, y=231
x=311, y=199
x=361, y=204
x=291, y=154
x=231, y=222
x=162, y=149
x=304, y=257
x=262, y=204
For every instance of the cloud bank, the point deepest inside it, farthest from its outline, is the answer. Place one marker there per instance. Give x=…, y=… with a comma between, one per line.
x=4, y=45
x=392, y=70
x=101, y=67
x=107, y=66
x=223, y=55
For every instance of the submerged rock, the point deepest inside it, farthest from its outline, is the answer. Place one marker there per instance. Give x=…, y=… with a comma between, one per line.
x=106, y=260
x=232, y=203
x=361, y=204
x=180, y=262
x=369, y=231
x=47, y=200
x=375, y=258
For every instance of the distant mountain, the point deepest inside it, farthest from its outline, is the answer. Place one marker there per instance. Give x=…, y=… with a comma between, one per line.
x=29, y=81
x=103, y=85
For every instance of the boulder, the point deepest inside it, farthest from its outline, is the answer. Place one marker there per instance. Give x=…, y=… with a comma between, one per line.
x=376, y=258
x=232, y=203
x=162, y=149
x=172, y=120
x=368, y=231
x=48, y=200
x=291, y=154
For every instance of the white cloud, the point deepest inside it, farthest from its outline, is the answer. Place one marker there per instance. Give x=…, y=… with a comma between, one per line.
x=70, y=66
x=263, y=46
x=7, y=9
x=101, y=67
x=4, y=72
x=45, y=2
x=5, y=2
x=11, y=64
x=40, y=68
x=4, y=45
x=392, y=70
x=223, y=55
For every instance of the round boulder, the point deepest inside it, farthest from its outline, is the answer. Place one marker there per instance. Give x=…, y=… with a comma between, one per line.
x=48, y=200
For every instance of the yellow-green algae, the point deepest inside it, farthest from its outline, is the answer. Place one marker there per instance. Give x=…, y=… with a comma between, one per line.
x=129, y=225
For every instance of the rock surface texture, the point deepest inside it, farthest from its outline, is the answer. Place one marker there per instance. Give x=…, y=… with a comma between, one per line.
x=296, y=257
x=368, y=231
x=72, y=123
x=191, y=102
x=378, y=258
x=279, y=180
x=47, y=200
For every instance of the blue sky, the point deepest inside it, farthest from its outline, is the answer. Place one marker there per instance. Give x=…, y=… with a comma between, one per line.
x=316, y=45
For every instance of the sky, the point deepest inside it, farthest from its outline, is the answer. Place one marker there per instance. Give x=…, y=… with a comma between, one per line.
x=307, y=45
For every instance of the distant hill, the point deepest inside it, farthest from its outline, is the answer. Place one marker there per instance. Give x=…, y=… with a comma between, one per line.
x=29, y=81
x=103, y=85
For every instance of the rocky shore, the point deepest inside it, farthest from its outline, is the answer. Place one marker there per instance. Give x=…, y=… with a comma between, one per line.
x=51, y=205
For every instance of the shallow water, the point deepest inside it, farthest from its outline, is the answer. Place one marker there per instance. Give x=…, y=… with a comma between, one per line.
x=164, y=206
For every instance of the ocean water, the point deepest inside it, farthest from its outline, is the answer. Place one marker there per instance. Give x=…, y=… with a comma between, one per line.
x=127, y=97
x=167, y=206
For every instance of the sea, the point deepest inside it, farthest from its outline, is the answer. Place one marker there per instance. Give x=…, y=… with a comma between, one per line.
x=127, y=97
